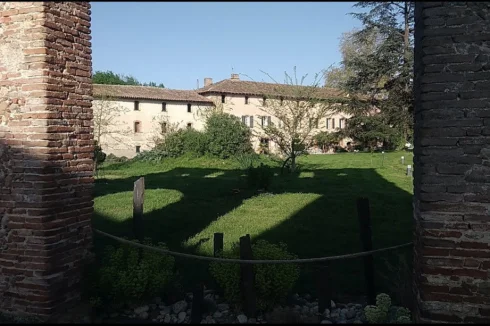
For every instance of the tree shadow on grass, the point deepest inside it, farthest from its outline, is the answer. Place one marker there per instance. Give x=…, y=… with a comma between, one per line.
x=327, y=226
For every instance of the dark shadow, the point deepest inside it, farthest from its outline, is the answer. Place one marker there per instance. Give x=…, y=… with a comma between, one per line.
x=327, y=226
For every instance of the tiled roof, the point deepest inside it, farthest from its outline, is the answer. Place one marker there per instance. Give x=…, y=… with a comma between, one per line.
x=148, y=93
x=231, y=86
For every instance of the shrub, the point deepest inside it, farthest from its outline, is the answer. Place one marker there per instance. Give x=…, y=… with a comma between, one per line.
x=272, y=282
x=259, y=177
x=184, y=141
x=383, y=312
x=129, y=275
x=227, y=135
x=111, y=158
x=246, y=160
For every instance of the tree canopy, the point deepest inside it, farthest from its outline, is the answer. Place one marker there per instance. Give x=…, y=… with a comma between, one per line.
x=111, y=78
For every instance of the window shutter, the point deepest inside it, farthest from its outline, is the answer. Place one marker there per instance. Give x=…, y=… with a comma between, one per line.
x=243, y=119
x=251, y=121
x=269, y=123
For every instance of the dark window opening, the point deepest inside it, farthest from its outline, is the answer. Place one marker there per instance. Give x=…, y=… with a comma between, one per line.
x=333, y=123
x=189, y=107
x=164, y=127
x=264, y=145
x=189, y=125
x=264, y=101
x=246, y=99
x=282, y=100
x=223, y=98
x=138, y=149
x=164, y=107
x=137, y=126
x=136, y=105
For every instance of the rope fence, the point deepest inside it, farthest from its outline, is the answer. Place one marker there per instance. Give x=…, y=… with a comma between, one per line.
x=254, y=261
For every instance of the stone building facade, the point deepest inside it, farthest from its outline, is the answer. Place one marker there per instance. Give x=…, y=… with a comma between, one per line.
x=46, y=151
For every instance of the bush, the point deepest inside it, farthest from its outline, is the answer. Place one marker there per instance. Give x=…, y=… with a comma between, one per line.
x=272, y=282
x=111, y=158
x=383, y=312
x=246, y=160
x=129, y=275
x=227, y=135
x=259, y=177
x=99, y=155
x=184, y=141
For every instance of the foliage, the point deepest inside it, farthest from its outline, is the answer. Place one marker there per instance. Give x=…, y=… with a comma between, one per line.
x=367, y=131
x=259, y=177
x=99, y=155
x=272, y=282
x=185, y=141
x=383, y=312
x=298, y=110
x=111, y=158
x=381, y=70
x=129, y=275
x=327, y=139
x=398, y=278
x=227, y=135
x=111, y=78
x=246, y=160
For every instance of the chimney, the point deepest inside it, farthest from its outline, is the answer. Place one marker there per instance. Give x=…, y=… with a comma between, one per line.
x=208, y=81
x=235, y=77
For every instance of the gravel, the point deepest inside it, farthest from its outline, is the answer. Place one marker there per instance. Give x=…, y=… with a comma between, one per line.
x=242, y=319
x=179, y=306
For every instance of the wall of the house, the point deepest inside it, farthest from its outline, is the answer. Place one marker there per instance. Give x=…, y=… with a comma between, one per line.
x=122, y=140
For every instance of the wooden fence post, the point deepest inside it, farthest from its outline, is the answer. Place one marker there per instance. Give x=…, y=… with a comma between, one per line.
x=324, y=288
x=197, y=301
x=217, y=243
x=247, y=278
x=367, y=245
x=138, y=199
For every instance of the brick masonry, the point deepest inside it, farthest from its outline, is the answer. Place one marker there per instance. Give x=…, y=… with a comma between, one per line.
x=452, y=161
x=46, y=150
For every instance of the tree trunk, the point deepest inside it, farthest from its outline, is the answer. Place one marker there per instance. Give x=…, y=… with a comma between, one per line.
x=293, y=162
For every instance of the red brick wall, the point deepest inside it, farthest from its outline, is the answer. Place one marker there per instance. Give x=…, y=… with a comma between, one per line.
x=452, y=161
x=45, y=153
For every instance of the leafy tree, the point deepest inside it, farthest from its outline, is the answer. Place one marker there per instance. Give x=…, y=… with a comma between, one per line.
x=111, y=78
x=227, y=135
x=367, y=131
x=326, y=140
x=384, y=73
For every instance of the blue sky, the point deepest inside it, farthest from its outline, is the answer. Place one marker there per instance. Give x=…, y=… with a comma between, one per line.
x=177, y=43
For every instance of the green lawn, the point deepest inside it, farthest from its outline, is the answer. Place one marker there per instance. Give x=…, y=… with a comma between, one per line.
x=313, y=212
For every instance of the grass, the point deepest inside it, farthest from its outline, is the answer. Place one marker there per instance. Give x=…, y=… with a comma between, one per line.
x=188, y=199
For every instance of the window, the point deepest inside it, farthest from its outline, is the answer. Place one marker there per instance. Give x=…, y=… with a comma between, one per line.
x=136, y=105
x=264, y=145
x=248, y=120
x=189, y=125
x=246, y=99
x=138, y=149
x=265, y=121
x=164, y=107
x=164, y=127
x=223, y=98
x=328, y=123
x=137, y=126
x=341, y=125
x=264, y=101
x=189, y=108
x=282, y=100
x=333, y=123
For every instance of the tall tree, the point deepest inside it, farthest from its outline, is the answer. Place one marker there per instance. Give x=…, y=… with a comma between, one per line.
x=385, y=74
x=111, y=78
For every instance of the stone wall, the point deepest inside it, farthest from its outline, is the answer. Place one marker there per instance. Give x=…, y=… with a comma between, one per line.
x=452, y=161
x=46, y=151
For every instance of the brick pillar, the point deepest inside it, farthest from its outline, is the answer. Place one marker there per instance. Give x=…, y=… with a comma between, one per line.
x=45, y=154
x=452, y=161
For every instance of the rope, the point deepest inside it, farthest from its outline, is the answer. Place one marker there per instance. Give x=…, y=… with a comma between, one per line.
x=248, y=261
